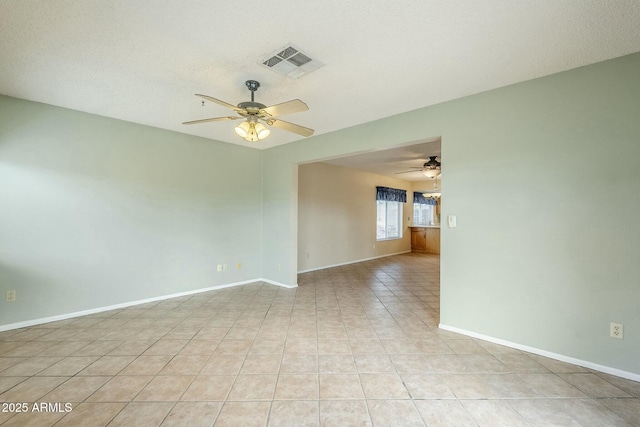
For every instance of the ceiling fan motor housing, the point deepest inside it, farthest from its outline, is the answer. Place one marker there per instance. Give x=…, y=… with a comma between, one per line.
x=432, y=163
x=250, y=107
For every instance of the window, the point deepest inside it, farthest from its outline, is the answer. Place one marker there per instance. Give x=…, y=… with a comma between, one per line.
x=389, y=212
x=423, y=214
x=424, y=210
x=389, y=224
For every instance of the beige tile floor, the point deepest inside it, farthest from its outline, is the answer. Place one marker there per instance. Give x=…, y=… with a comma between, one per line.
x=352, y=345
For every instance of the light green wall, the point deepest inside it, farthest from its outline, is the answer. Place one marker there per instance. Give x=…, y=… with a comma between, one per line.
x=337, y=216
x=96, y=212
x=543, y=179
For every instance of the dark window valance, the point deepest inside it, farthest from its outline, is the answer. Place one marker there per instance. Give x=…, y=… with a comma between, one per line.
x=419, y=198
x=391, y=194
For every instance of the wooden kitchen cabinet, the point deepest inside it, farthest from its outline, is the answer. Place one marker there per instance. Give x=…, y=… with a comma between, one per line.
x=425, y=240
x=418, y=239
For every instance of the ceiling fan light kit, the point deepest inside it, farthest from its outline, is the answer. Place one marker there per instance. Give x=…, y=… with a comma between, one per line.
x=251, y=129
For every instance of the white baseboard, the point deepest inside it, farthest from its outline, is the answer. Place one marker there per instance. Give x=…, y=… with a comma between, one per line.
x=66, y=316
x=272, y=282
x=351, y=262
x=596, y=367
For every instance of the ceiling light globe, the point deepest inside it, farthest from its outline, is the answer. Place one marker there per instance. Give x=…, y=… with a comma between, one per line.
x=262, y=131
x=243, y=129
x=431, y=173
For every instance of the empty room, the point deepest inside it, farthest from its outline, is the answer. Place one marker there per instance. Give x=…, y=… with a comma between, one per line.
x=319, y=214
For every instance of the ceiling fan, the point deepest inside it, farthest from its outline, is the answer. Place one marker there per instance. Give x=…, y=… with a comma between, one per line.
x=431, y=169
x=254, y=112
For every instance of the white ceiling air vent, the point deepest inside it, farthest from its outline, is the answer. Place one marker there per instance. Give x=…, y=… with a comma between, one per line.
x=289, y=61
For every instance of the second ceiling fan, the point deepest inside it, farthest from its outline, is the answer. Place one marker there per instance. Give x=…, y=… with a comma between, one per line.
x=254, y=113
x=430, y=169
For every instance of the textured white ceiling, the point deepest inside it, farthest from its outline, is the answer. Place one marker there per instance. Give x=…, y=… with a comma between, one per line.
x=394, y=162
x=143, y=61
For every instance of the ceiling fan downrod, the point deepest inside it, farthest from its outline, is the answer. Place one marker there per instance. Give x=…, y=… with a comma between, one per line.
x=253, y=86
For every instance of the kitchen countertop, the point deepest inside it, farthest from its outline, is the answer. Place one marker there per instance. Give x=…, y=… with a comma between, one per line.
x=425, y=226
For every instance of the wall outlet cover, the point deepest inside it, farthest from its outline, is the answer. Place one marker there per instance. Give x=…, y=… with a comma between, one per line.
x=11, y=296
x=616, y=330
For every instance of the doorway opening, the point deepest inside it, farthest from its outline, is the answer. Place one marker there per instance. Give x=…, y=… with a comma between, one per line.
x=336, y=207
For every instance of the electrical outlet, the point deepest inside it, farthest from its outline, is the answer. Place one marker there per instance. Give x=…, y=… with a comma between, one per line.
x=219, y=268
x=11, y=296
x=616, y=330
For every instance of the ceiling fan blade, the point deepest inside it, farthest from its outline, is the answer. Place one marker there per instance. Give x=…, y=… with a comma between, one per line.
x=214, y=119
x=417, y=170
x=291, y=127
x=289, y=107
x=219, y=102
